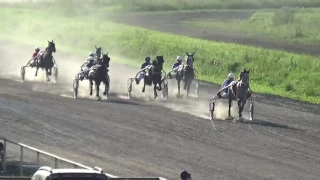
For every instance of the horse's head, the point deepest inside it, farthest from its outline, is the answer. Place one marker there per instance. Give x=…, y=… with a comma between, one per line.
x=51, y=46
x=105, y=60
x=159, y=61
x=244, y=76
x=98, y=51
x=190, y=59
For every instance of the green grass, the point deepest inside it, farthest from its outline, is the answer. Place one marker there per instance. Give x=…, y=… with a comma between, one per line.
x=170, y=5
x=284, y=25
x=273, y=72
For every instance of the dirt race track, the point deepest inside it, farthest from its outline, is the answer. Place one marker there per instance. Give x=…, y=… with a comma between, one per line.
x=154, y=138
x=170, y=22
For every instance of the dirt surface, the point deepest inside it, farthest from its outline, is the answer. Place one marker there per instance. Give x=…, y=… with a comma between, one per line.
x=142, y=137
x=170, y=23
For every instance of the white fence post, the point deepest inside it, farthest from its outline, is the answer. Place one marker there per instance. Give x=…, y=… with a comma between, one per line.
x=55, y=163
x=21, y=160
x=4, y=155
x=38, y=160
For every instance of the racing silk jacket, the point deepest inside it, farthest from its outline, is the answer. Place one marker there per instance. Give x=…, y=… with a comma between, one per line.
x=175, y=65
x=145, y=65
x=225, y=84
x=34, y=55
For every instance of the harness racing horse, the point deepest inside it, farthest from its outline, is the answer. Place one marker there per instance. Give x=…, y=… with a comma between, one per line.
x=186, y=74
x=239, y=91
x=45, y=59
x=154, y=75
x=98, y=74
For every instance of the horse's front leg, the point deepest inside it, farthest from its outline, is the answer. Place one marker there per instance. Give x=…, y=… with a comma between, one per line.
x=47, y=74
x=97, y=83
x=241, y=104
x=144, y=86
x=37, y=68
x=229, y=110
x=188, y=82
x=178, y=82
x=155, y=90
x=90, y=86
x=160, y=85
x=106, y=87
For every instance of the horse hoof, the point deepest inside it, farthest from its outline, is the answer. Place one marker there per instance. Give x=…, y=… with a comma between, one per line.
x=240, y=119
x=229, y=118
x=98, y=98
x=179, y=96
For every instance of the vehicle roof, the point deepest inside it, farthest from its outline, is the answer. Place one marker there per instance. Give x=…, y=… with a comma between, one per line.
x=74, y=171
x=49, y=170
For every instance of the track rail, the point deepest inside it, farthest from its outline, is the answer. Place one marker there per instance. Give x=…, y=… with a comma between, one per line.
x=55, y=157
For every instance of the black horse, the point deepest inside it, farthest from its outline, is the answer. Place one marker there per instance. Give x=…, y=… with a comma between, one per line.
x=154, y=75
x=45, y=59
x=186, y=74
x=98, y=74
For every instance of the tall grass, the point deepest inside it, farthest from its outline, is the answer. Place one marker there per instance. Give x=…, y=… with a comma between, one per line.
x=293, y=25
x=273, y=72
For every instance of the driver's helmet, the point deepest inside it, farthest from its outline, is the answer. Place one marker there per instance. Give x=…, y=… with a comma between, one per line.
x=91, y=59
x=147, y=59
x=231, y=76
x=37, y=49
x=179, y=58
x=91, y=54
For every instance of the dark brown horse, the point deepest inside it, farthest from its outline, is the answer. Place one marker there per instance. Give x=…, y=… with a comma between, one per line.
x=45, y=60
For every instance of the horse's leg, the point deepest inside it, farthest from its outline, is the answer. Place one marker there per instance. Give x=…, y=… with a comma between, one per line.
x=47, y=74
x=155, y=90
x=241, y=104
x=90, y=86
x=106, y=87
x=230, y=102
x=97, y=83
x=178, y=82
x=37, y=68
x=160, y=84
x=144, y=86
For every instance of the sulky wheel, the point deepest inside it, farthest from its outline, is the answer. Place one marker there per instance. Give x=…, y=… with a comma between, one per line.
x=251, y=110
x=55, y=74
x=211, y=109
x=165, y=91
x=197, y=89
x=75, y=88
x=23, y=73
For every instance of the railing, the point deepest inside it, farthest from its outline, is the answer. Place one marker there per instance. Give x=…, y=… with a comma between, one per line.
x=24, y=146
x=55, y=157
